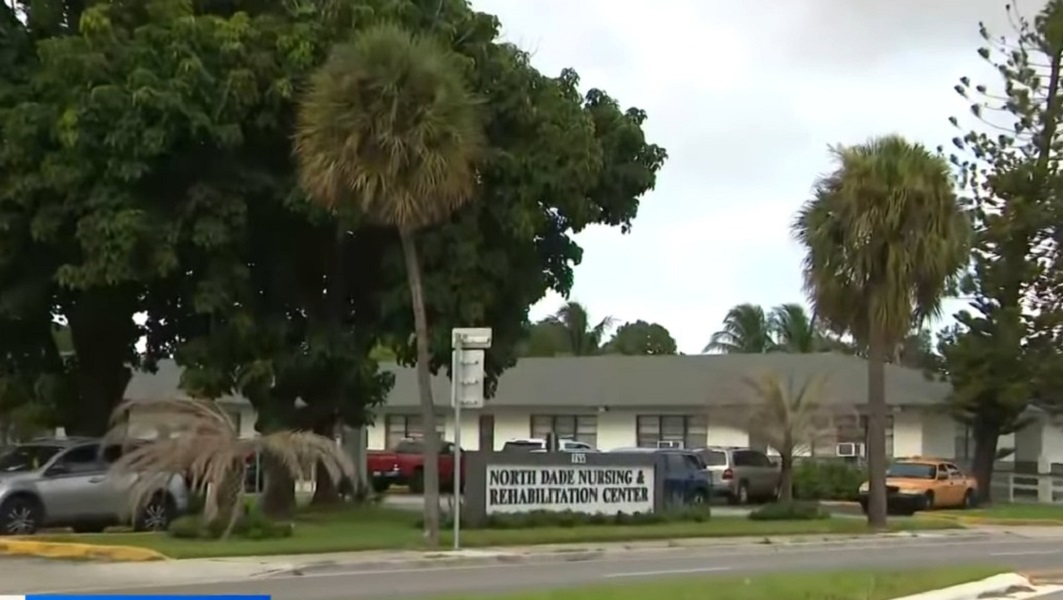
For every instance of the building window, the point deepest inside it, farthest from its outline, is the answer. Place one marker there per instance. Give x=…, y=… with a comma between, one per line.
x=652, y=431
x=403, y=427
x=582, y=428
x=848, y=429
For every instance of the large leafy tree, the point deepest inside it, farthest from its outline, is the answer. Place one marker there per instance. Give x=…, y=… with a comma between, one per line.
x=390, y=132
x=1004, y=354
x=884, y=236
x=793, y=329
x=641, y=338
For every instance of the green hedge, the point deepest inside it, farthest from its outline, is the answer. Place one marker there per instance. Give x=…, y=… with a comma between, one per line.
x=827, y=480
x=800, y=510
x=568, y=518
x=252, y=526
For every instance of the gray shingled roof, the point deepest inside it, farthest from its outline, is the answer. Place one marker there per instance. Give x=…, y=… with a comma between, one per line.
x=618, y=381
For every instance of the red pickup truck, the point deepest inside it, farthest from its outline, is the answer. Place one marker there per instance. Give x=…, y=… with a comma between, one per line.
x=404, y=465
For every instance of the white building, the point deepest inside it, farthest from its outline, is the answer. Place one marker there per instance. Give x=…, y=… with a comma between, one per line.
x=621, y=401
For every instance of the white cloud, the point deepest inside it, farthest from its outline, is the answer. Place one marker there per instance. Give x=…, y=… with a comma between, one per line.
x=746, y=97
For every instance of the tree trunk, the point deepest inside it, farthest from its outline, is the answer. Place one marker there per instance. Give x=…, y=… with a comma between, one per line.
x=102, y=334
x=278, y=493
x=986, y=438
x=786, y=478
x=326, y=490
x=424, y=387
x=876, y=432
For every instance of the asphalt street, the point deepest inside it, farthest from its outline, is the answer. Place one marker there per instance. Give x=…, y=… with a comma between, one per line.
x=336, y=582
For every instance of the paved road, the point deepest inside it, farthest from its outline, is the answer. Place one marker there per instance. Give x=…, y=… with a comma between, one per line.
x=340, y=583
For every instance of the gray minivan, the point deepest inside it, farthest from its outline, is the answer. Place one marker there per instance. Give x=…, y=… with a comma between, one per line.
x=741, y=474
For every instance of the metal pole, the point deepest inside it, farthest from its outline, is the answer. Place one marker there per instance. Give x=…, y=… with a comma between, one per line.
x=455, y=361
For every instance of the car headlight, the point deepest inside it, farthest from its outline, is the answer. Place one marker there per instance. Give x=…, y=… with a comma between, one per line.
x=909, y=492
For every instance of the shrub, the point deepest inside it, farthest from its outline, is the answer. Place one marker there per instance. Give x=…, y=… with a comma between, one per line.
x=568, y=518
x=791, y=511
x=827, y=480
x=252, y=526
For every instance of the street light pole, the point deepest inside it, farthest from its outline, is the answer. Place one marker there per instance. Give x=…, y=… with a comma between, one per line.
x=466, y=390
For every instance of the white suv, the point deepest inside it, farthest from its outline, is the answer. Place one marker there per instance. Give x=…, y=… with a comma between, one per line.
x=539, y=445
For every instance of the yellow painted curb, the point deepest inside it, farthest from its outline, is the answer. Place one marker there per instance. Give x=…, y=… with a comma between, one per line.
x=971, y=520
x=25, y=547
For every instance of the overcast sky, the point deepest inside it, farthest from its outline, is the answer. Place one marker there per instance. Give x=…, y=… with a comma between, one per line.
x=746, y=96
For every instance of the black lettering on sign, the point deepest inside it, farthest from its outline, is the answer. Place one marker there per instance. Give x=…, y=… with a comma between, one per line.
x=567, y=486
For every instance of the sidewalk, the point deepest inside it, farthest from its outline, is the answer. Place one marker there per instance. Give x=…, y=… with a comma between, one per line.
x=25, y=575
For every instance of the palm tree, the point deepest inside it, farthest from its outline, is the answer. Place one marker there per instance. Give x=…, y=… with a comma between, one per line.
x=787, y=417
x=885, y=235
x=197, y=439
x=583, y=338
x=745, y=331
x=389, y=130
x=794, y=330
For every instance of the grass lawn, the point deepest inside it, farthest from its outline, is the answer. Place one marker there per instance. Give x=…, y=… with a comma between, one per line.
x=379, y=528
x=843, y=585
x=1012, y=512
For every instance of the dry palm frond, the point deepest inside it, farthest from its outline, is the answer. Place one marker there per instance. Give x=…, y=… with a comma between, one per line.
x=205, y=447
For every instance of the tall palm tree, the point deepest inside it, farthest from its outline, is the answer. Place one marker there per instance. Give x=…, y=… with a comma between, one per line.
x=794, y=330
x=197, y=438
x=885, y=235
x=745, y=331
x=390, y=131
x=584, y=339
x=787, y=416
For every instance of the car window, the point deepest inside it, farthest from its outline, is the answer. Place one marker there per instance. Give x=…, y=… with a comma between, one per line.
x=954, y=472
x=742, y=459
x=579, y=446
x=694, y=462
x=912, y=471
x=714, y=458
x=26, y=458
x=675, y=463
x=522, y=446
x=759, y=459
x=112, y=453
x=82, y=459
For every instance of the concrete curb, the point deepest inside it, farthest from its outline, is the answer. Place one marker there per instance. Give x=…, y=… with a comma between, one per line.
x=997, y=585
x=969, y=520
x=72, y=551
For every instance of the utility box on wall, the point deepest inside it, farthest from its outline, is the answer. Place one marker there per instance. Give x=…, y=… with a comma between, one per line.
x=603, y=483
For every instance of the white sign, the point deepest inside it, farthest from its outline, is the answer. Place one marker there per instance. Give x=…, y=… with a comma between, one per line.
x=579, y=488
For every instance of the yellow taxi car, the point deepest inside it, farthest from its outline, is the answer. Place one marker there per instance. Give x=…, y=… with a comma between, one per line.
x=914, y=484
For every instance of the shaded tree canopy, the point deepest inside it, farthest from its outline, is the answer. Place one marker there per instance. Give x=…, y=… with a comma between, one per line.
x=641, y=338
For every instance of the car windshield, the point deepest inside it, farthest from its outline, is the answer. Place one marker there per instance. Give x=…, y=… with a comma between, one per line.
x=26, y=458
x=714, y=458
x=912, y=471
x=409, y=447
x=522, y=446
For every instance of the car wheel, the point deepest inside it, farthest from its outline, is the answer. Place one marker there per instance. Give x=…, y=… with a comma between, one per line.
x=417, y=482
x=381, y=485
x=970, y=499
x=20, y=516
x=698, y=498
x=928, y=502
x=742, y=496
x=156, y=516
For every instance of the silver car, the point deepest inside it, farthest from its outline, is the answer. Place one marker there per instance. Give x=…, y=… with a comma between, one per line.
x=741, y=474
x=65, y=483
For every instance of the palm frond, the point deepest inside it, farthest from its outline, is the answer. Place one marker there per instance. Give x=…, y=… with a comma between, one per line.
x=788, y=415
x=885, y=235
x=388, y=125
x=745, y=330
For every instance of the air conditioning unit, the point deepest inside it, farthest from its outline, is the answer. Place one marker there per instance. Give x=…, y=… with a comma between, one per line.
x=849, y=449
x=669, y=444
